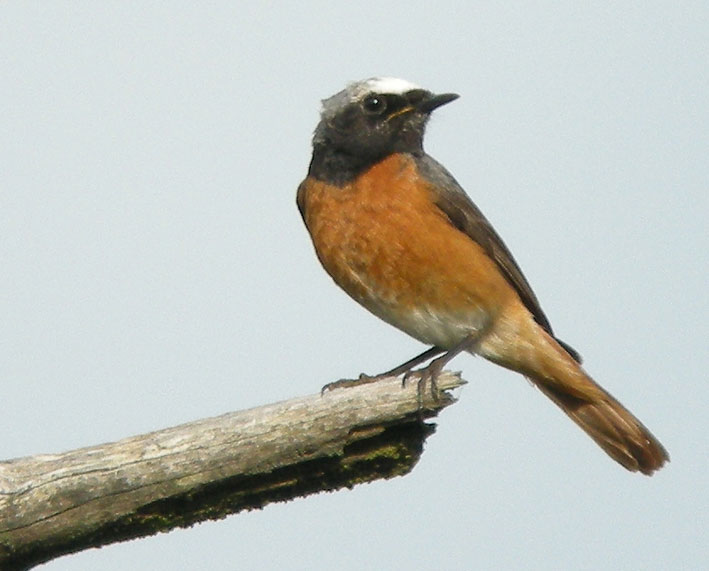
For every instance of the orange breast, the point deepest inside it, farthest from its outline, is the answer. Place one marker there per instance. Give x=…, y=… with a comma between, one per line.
x=384, y=242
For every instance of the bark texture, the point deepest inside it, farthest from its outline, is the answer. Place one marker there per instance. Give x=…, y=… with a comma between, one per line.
x=55, y=504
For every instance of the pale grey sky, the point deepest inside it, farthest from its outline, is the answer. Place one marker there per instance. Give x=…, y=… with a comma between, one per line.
x=155, y=269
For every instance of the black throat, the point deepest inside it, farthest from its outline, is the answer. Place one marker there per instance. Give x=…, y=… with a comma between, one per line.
x=337, y=167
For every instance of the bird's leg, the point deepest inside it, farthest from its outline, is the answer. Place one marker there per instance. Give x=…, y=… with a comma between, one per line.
x=431, y=371
x=411, y=363
x=363, y=378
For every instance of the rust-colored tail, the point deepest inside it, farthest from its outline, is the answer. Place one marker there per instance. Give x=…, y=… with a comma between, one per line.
x=612, y=426
x=558, y=374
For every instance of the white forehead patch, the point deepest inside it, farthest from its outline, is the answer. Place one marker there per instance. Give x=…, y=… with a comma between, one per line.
x=357, y=90
x=392, y=85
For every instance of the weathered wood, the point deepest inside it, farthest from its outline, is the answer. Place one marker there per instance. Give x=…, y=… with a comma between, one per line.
x=61, y=503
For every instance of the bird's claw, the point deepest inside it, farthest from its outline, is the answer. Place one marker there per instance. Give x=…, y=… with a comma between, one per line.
x=363, y=379
x=426, y=375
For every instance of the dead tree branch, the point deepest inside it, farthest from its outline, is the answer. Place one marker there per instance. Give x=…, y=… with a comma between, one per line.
x=55, y=504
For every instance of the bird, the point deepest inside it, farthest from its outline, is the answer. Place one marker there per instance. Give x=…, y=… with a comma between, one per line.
x=400, y=236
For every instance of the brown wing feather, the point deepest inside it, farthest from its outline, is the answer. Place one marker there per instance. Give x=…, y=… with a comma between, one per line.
x=464, y=215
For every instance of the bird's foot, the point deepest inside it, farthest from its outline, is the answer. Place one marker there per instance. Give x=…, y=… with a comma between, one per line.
x=430, y=373
x=426, y=377
x=363, y=379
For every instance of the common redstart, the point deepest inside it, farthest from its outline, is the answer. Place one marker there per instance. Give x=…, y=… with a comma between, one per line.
x=396, y=231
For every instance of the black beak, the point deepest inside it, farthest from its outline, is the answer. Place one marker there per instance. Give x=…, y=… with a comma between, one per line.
x=435, y=101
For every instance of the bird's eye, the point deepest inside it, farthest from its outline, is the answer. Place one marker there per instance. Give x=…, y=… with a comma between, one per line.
x=374, y=104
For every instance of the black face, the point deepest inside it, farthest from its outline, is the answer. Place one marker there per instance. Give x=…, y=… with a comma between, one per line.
x=378, y=124
x=354, y=134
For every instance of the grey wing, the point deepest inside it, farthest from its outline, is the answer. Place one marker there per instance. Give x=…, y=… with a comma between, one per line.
x=466, y=217
x=300, y=199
